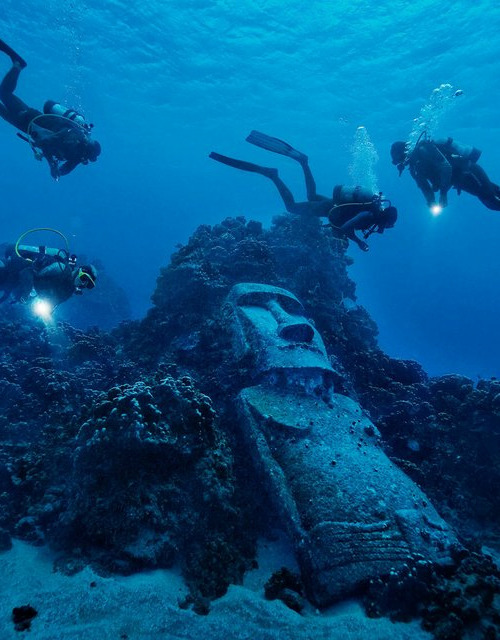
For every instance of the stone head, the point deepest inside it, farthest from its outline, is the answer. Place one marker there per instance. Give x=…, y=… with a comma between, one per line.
x=270, y=324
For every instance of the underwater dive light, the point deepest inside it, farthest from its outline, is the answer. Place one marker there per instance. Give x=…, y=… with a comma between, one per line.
x=42, y=308
x=436, y=209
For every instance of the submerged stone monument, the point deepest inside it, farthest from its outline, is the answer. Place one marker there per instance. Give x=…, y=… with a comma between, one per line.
x=351, y=514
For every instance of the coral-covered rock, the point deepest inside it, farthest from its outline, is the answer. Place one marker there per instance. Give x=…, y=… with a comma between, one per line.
x=463, y=602
x=287, y=586
x=153, y=482
x=443, y=432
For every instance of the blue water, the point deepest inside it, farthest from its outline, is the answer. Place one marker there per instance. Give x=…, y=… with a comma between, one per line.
x=167, y=82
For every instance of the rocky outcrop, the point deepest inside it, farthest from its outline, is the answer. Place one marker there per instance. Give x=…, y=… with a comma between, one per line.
x=59, y=387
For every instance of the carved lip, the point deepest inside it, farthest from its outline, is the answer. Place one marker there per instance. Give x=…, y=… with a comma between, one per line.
x=301, y=345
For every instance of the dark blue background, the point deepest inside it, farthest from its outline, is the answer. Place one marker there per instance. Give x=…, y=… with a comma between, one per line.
x=167, y=82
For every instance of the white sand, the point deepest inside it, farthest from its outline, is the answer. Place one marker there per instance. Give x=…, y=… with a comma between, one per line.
x=145, y=607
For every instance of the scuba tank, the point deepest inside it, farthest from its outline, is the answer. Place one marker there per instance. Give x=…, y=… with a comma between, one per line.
x=456, y=150
x=349, y=201
x=31, y=252
x=55, y=109
x=352, y=195
x=42, y=256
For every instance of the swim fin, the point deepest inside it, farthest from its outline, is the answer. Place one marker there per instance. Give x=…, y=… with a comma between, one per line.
x=15, y=57
x=243, y=165
x=275, y=145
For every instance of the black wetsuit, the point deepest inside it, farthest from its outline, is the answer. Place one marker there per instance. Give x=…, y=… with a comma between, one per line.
x=355, y=209
x=59, y=139
x=16, y=276
x=49, y=275
x=56, y=282
x=439, y=165
x=316, y=204
x=13, y=109
x=348, y=210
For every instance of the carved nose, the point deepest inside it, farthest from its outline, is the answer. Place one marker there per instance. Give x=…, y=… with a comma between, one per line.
x=297, y=332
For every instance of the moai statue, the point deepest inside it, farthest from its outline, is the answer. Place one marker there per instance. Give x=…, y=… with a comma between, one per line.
x=351, y=513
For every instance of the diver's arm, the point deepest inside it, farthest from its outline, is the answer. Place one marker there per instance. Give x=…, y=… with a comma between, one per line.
x=42, y=136
x=362, y=221
x=445, y=171
x=67, y=167
x=361, y=243
x=423, y=185
x=53, y=146
x=44, y=140
x=426, y=189
x=419, y=177
x=435, y=158
x=53, y=164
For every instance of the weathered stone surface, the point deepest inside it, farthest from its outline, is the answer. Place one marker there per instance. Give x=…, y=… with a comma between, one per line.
x=271, y=327
x=352, y=514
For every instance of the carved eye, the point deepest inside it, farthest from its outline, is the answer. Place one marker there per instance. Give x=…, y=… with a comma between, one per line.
x=291, y=306
x=253, y=299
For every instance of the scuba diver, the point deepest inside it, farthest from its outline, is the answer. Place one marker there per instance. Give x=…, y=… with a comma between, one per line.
x=349, y=210
x=439, y=165
x=358, y=209
x=59, y=135
x=39, y=273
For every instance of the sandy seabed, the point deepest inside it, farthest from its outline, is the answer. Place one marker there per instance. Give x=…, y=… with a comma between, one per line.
x=145, y=606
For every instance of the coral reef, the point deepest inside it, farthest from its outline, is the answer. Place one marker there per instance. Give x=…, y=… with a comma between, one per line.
x=462, y=602
x=152, y=479
x=432, y=428
x=119, y=449
x=50, y=376
x=445, y=434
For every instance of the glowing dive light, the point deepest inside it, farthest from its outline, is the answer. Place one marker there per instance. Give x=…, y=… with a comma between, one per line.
x=42, y=309
x=436, y=209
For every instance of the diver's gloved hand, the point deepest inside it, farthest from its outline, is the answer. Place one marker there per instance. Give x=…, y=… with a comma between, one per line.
x=54, y=172
x=363, y=246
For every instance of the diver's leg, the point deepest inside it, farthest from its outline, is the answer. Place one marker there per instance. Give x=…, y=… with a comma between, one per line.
x=491, y=200
x=9, y=82
x=285, y=193
x=4, y=114
x=310, y=182
x=491, y=203
x=276, y=145
x=7, y=88
x=13, y=110
x=13, y=55
x=476, y=182
x=3, y=282
x=488, y=188
x=24, y=285
x=272, y=174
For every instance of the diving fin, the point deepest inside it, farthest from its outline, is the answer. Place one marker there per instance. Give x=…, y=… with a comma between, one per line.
x=275, y=145
x=15, y=57
x=243, y=165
